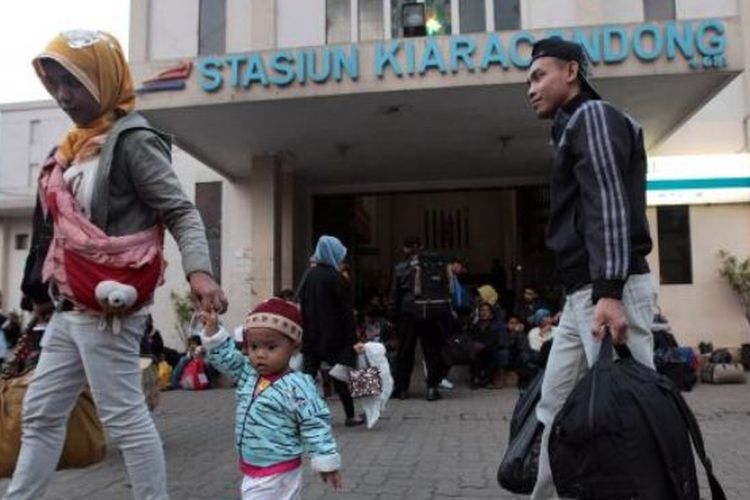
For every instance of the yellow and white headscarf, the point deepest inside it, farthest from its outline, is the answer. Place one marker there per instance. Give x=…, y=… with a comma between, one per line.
x=96, y=59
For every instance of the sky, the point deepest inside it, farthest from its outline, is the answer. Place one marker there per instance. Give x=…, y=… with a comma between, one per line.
x=26, y=26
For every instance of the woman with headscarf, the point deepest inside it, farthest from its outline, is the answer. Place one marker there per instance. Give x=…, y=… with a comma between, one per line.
x=328, y=318
x=115, y=172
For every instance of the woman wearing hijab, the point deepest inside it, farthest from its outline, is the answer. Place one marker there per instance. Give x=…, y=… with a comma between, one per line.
x=115, y=170
x=328, y=318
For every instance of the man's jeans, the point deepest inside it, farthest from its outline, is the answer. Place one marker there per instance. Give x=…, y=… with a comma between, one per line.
x=74, y=350
x=574, y=349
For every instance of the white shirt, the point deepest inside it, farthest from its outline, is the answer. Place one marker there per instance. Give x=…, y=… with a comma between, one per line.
x=80, y=180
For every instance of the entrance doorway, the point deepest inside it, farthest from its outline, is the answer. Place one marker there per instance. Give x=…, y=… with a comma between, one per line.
x=499, y=233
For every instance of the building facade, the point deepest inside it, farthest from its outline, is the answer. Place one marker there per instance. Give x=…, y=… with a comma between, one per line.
x=315, y=116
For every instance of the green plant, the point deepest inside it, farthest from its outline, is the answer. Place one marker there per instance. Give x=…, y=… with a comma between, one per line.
x=182, y=305
x=737, y=274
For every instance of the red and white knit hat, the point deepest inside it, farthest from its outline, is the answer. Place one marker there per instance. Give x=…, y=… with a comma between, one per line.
x=277, y=314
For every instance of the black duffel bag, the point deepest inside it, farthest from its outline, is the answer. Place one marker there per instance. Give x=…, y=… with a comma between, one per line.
x=518, y=468
x=624, y=433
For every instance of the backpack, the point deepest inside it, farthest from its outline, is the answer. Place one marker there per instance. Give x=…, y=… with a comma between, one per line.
x=428, y=275
x=624, y=433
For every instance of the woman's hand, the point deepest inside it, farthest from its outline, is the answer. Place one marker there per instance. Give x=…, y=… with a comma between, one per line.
x=359, y=347
x=207, y=294
x=333, y=477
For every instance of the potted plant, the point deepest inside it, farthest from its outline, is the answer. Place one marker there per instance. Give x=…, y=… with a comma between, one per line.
x=182, y=305
x=737, y=274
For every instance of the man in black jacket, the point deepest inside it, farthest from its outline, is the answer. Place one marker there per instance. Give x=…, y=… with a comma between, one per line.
x=597, y=229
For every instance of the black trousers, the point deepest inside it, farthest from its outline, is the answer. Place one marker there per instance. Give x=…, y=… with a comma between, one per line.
x=311, y=366
x=431, y=334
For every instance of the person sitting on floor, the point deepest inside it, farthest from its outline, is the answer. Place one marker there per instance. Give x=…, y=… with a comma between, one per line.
x=543, y=330
x=485, y=335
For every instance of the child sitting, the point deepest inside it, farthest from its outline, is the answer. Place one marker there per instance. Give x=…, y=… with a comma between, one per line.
x=279, y=412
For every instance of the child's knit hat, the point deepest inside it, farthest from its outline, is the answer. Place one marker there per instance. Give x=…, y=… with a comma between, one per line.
x=277, y=314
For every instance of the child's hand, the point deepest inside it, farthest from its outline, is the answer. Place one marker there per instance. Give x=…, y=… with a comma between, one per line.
x=333, y=477
x=210, y=320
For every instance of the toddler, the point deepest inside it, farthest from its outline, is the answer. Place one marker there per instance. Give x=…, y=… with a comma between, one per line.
x=279, y=412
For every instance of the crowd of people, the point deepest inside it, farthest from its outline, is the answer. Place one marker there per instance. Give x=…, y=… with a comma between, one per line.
x=108, y=192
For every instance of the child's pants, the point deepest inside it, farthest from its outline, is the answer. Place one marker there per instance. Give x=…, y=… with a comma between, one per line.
x=284, y=486
x=74, y=352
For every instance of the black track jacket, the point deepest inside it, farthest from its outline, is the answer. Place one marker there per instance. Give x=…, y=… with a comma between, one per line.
x=598, y=227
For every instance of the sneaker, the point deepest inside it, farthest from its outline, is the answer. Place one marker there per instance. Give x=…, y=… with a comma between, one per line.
x=446, y=384
x=433, y=394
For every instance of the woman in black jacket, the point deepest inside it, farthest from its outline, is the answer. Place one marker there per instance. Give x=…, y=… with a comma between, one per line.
x=328, y=318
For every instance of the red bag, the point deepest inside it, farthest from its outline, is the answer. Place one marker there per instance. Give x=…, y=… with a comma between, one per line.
x=81, y=256
x=194, y=377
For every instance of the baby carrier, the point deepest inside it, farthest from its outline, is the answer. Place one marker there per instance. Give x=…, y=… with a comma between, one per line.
x=95, y=271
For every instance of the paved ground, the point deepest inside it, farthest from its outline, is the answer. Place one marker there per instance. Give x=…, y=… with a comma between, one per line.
x=421, y=450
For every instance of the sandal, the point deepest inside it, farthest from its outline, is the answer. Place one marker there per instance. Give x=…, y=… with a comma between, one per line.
x=354, y=421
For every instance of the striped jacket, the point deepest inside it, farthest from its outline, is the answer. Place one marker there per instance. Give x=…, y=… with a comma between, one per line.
x=598, y=228
x=284, y=421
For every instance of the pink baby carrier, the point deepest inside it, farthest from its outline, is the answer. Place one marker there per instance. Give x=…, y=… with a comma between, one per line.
x=82, y=257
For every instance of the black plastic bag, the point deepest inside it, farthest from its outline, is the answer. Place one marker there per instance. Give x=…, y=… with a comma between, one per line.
x=518, y=468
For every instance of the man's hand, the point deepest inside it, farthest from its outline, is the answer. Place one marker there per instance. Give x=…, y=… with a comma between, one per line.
x=611, y=313
x=333, y=477
x=359, y=347
x=207, y=294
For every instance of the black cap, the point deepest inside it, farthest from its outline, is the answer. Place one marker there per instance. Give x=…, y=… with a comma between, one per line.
x=567, y=51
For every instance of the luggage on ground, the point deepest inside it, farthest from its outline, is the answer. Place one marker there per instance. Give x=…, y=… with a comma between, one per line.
x=194, y=376
x=723, y=373
x=85, y=443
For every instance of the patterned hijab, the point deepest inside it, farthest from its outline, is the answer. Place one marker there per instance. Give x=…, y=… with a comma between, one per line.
x=96, y=60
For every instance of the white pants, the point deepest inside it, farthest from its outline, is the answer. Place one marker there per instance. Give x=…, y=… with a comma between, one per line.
x=75, y=350
x=574, y=349
x=284, y=486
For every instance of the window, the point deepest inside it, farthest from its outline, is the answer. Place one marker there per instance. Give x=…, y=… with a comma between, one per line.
x=472, y=16
x=658, y=10
x=338, y=21
x=22, y=241
x=437, y=16
x=446, y=229
x=371, y=20
x=33, y=173
x=212, y=21
x=675, y=256
x=208, y=203
x=507, y=15
x=34, y=126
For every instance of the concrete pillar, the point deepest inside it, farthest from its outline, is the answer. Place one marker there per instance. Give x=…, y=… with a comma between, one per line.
x=138, y=34
x=263, y=24
x=287, y=230
x=239, y=25
x=5, y=263
x=265, y=240
x=745, y=23
x=237, y=249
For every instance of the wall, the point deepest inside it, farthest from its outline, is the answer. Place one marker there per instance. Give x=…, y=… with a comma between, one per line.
x=12, y=260
x=708, y=309
x=173, y=29
x=300, y=23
